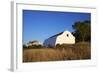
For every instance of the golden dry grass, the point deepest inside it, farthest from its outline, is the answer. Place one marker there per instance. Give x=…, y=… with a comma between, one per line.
x=73, y=52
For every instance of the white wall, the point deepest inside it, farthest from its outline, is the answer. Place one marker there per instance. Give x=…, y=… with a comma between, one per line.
x=64, y=39
x=5, y=37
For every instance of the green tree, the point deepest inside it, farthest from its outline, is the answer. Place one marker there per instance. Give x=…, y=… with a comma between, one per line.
x=82, y=31
x=24, y=46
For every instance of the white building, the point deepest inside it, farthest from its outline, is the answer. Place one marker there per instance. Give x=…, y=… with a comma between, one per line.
x=35, y=42
x=62, y=38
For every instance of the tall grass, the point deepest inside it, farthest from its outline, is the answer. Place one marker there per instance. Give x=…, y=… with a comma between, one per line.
x=79, y=51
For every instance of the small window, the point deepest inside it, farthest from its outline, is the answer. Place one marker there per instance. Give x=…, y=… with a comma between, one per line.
x=67, y=35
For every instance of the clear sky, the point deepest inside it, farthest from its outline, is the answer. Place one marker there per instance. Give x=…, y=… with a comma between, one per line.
x=40, y=25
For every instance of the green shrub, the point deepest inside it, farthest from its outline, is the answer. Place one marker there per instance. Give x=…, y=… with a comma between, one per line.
x=35, y=46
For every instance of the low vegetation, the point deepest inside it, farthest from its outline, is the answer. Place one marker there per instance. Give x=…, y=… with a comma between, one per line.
x=79, y=51
x=32, y=47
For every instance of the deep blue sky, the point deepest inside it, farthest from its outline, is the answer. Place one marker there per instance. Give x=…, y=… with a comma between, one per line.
x=39, y=25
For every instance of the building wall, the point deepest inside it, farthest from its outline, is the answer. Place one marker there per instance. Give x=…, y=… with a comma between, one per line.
x=64, y=39
x=60, y=39
x=50, y=42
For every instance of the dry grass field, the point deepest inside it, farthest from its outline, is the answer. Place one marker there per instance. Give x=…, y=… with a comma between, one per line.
x=79, y=51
